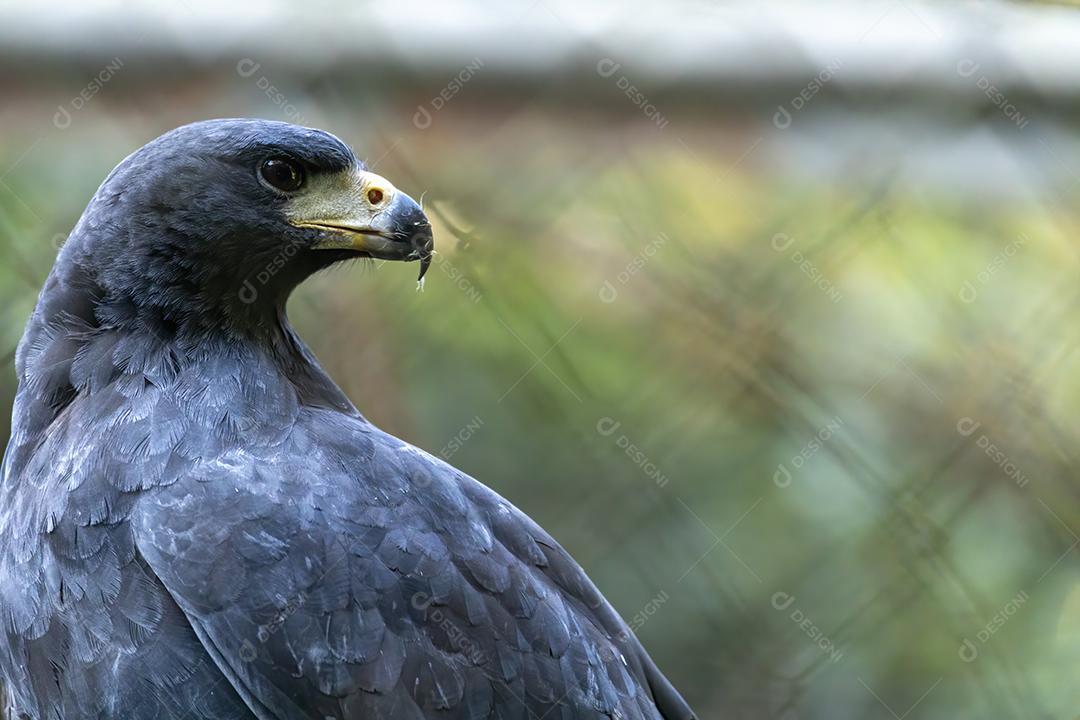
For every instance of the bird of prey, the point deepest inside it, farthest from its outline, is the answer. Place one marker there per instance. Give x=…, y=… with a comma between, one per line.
x=196, y=522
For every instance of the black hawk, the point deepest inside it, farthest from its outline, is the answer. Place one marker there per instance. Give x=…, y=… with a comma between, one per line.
x=197, y=523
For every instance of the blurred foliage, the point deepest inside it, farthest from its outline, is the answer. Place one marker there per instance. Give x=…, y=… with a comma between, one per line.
x=738, y=396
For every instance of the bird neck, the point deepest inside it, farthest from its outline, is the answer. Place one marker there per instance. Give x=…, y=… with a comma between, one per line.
x=80, y=341
x=299, y=366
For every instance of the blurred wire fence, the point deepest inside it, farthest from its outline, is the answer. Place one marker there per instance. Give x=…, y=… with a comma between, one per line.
x=763, y=311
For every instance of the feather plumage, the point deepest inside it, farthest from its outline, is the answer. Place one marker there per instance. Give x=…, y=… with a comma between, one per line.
x=195, y=522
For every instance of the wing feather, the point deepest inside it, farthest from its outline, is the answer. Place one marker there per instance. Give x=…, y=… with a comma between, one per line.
x=410, y=589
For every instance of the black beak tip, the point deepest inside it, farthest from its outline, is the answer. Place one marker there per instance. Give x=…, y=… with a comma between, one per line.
x=413, y=230
x=425, y=263
x=423, y=244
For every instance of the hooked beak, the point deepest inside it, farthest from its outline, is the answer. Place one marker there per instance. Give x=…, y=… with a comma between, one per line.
x=363, y=212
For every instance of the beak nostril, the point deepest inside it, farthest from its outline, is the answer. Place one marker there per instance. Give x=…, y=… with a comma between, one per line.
x=375, y=196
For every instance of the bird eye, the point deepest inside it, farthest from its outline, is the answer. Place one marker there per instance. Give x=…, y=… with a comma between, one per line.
x=282, y=174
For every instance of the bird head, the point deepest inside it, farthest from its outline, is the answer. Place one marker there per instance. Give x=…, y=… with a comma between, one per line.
x=230, y=215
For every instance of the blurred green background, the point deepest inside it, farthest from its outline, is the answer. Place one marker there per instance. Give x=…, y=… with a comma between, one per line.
x=765, y=311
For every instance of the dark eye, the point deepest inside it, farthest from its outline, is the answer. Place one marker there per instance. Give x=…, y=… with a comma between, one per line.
x=282, y=174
